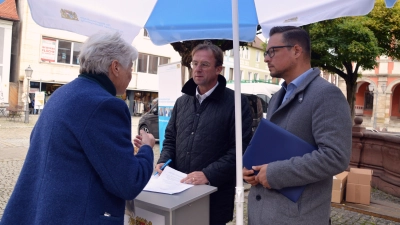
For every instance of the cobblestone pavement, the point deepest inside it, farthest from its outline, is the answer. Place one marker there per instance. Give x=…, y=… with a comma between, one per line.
x=14, y=142
x=341, y=216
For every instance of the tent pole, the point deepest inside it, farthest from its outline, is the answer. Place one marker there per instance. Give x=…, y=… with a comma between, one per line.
x=239, y=198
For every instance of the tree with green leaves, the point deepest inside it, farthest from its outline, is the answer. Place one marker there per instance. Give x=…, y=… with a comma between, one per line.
x=385, y=23
x=344, y=45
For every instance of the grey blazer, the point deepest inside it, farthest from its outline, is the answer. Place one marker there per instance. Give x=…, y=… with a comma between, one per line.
x=318, y=113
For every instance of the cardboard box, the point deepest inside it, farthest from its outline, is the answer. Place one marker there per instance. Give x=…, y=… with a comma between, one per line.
x=339, y=187
x=359, y=186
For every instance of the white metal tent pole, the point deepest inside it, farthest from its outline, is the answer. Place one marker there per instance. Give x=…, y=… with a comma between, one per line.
x=239, y=198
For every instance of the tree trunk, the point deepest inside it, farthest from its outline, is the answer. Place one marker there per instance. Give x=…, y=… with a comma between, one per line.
x=351, y=92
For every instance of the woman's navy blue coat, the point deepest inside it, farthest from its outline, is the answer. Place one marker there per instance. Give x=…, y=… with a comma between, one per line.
x=80, y=163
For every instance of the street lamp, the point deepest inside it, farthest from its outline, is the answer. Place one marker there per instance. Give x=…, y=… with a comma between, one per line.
x=371, y=90
x=28, y=75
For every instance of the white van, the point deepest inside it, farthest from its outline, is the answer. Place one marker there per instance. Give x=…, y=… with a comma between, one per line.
x=262, y=90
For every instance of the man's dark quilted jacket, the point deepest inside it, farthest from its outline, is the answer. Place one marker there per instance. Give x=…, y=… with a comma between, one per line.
x=202, y=138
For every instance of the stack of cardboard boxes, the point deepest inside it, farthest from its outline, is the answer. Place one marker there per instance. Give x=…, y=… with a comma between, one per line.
x=356, y=184
x=359, y=186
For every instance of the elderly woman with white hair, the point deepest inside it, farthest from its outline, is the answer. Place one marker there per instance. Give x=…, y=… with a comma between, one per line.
x=80, y=167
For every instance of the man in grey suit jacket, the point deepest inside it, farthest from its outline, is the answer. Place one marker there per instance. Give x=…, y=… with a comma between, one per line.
x=314, y=110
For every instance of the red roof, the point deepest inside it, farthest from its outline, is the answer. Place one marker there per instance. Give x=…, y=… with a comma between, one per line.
x=8, y=10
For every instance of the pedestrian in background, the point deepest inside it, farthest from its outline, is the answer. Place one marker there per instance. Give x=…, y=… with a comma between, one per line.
x=200, y=135
x=314, y=110
x=80, y=167
x=32, y=105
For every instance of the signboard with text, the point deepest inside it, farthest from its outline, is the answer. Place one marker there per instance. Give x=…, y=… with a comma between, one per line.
x=169, y=90
x=48, y=50
x=39, y=100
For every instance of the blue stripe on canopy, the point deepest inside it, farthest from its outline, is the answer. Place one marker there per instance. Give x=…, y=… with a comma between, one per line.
x=177, y=20
x=390, y=3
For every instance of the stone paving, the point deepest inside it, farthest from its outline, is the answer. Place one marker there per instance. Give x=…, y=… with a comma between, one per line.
x=14, y=142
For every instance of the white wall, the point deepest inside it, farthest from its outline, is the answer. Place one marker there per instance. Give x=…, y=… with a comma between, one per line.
x=5, y=64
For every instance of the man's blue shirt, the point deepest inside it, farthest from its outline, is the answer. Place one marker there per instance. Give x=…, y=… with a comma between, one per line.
x=294, y=84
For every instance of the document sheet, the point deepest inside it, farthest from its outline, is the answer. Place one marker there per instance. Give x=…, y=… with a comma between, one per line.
x=169, y=182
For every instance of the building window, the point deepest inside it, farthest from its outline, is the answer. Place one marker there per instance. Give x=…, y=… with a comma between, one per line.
x=149, y=63
x=256, y=77
x=75, y=52
x=246, y=53
x=60, y=51
x=258, y=55
x=369, y=101
x=142, y=63
x=164, y=60
x=64, y=52
x=248, y=78
x=230, y=73
x=223, y=71
x=153, y=64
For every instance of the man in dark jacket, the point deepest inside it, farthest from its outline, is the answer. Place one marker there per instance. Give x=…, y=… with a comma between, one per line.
x=200, y=136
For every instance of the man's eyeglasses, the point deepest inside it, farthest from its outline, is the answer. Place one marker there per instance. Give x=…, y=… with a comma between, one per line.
x=271, y=51
x=203, y=65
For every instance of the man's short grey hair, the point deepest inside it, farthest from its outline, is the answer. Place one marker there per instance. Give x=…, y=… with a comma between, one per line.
x=101, y=49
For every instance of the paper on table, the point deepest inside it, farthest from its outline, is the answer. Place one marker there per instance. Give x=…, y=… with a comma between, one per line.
x=169, y=182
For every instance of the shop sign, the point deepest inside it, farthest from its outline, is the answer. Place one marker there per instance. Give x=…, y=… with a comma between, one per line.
x=48, y=50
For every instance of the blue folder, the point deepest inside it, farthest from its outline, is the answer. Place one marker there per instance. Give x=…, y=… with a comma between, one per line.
x=272, y=143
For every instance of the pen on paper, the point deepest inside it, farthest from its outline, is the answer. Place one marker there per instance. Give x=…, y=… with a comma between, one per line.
x=165, y=165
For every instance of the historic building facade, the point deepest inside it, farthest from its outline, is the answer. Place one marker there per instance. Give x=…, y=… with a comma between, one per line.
x=378, y=95
x=252, y=65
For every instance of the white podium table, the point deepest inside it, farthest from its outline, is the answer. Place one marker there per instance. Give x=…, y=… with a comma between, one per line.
x=188, y=207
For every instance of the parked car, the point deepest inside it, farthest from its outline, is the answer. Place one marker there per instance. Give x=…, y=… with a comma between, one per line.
x=149, y=121
x=262, y=90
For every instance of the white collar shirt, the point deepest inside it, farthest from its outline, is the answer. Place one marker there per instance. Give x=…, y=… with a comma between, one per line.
x=205, y=95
